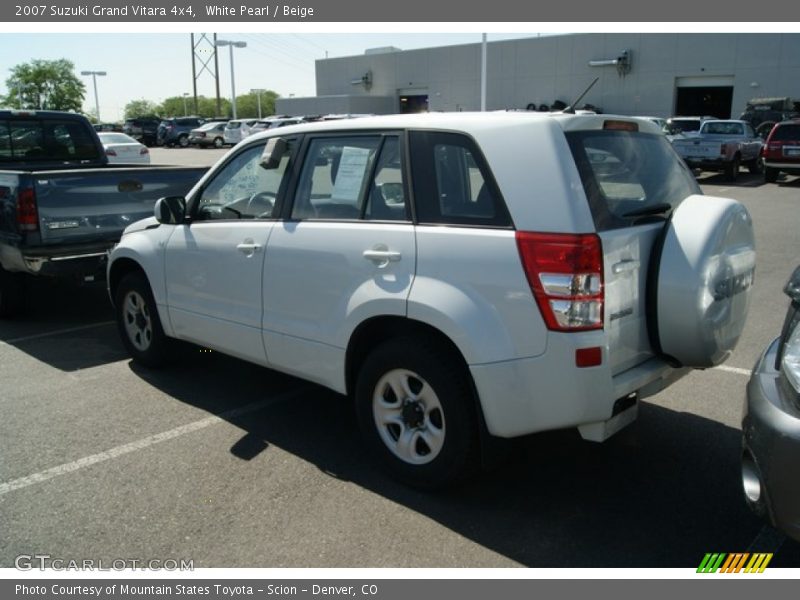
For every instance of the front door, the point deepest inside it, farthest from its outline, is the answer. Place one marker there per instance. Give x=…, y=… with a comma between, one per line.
x=214, y=265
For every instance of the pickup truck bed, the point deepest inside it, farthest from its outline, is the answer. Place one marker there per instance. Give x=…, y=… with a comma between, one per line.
x=62, y=207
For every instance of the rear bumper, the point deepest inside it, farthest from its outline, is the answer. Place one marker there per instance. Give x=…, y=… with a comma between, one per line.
x=84, y=263
x=771, y=446
x=548, y=392
x=793, y=168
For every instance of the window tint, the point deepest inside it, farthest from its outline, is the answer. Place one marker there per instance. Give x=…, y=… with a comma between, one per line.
x=625, y=171
x=46, y=141
x=387, y=197
x=243, y=189
x=724, y=128
x=334, y=178
x=785, y=133
x=452, y=183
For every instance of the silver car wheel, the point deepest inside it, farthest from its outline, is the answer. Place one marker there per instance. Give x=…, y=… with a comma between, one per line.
x=408, y=416
x=138, y=324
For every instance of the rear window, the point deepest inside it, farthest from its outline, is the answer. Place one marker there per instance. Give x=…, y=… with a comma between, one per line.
x=786, y=133
x=625, y=173
x=685, y=125
x=46, y=140
x=234, y=125
x=724, y=128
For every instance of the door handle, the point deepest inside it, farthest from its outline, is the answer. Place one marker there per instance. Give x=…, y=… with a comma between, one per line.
x=248, y=247
x=382, y=256
x=625, y=266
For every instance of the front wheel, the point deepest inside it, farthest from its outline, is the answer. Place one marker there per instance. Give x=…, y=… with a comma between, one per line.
x=183, y=141
x=416, y=411
x=218, y=142
x=138, y=321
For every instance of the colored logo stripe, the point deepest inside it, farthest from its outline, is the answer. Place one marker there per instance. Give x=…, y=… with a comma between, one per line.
x=734, y=563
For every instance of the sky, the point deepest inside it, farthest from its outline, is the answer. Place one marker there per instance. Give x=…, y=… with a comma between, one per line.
x=159, y=65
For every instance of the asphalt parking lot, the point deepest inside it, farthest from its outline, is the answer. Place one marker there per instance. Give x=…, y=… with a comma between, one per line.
x=232, y=465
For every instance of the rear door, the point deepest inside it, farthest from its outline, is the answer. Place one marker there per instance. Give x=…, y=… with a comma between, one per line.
x=345, y=252
x=632, y=181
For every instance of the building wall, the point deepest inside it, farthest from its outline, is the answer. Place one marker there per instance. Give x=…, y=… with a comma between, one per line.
x=542, y=70
x=326, y=105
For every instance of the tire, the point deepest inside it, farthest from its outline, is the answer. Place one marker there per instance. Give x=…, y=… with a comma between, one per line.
x=218, y=142
x=437, y=417
x=732, y=169
x=138, y=322
x=183, y=141
x=11, y=293
x=770, y=175
x=756, y=166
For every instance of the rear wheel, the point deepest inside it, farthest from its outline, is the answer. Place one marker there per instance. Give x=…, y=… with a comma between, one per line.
x=770, y=175
x=183, y=141
x=11, y=293
x=138, y=321
x=416, y=411
x=756, y=166
x=218, y=142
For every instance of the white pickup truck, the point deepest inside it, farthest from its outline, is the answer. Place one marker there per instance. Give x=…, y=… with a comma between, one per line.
x=722, y=145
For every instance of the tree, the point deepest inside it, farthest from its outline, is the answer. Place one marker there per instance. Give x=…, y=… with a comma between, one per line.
x=45, y=84
x=247, y=104
x=206, y=107
x=140, y=108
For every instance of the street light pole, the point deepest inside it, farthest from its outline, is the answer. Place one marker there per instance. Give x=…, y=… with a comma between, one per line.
x=185, y=110
x=258, y=93
x=231, y=45
x=94, y=75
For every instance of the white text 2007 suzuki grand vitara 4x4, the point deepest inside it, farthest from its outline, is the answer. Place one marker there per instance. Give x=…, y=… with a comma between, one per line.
x=460, y=275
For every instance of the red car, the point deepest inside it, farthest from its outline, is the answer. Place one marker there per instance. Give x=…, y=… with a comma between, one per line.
x=782, y=150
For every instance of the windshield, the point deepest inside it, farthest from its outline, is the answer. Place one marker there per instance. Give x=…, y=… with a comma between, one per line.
x=624, y=172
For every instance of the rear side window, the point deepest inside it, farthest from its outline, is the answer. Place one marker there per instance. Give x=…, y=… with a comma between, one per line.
x=786, y=133
x=46, y=140
x=452, y=183
x=625, y=173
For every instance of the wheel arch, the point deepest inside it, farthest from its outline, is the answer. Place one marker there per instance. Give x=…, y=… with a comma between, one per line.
x=119, y=269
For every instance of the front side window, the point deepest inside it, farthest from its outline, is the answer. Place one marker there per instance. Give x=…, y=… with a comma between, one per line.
x=243, y=189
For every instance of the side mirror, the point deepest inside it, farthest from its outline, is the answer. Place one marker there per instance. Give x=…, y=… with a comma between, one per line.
x=275, y=149
x=170, y=210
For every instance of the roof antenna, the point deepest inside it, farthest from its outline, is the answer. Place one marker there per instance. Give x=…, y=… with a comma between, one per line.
x=570, y=110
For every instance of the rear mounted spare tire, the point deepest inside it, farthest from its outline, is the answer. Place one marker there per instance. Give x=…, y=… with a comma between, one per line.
x=703, y=281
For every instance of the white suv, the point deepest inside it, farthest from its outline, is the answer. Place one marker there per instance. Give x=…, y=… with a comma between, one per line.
x=461, y=276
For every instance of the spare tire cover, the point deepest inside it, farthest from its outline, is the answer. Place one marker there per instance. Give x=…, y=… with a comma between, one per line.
x=705, y=279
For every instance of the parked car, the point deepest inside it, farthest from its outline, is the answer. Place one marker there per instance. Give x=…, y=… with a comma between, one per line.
x=661, y=123
x=679, y=127
x=142, y=129
x=723, y=145
x=238, y=129
x=511, y=293
x=782, y=150
x=274, y=123
x=208, y=134
x=62, y=206
x=771, y=425
x=121, y=148
x=176, y=131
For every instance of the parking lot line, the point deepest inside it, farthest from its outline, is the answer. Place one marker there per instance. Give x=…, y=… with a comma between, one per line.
x=736, y=370
x=56, y=332
x=87, y=461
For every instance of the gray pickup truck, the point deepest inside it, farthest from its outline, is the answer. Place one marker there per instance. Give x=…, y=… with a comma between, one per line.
x=62, y=207
x=722, y=145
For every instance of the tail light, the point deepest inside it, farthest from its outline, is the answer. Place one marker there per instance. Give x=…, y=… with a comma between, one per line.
x=565, y=272
x=27, y=213
x=111, y=152
x=144, y=151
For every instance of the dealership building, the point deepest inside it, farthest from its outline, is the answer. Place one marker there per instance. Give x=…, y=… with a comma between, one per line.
x=639, y=74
